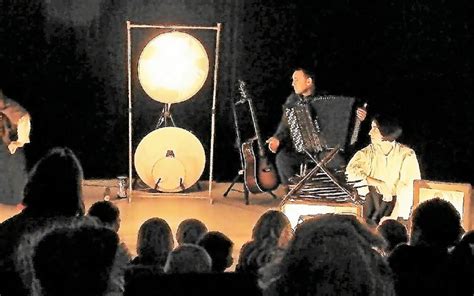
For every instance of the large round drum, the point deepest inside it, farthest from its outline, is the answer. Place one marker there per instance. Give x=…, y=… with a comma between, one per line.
x=170, y=159
x=173, y=67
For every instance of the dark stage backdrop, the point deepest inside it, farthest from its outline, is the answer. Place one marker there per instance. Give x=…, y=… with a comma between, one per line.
x=65, y=61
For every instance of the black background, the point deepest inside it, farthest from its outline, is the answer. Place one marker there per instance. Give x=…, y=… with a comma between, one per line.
x=66, y=62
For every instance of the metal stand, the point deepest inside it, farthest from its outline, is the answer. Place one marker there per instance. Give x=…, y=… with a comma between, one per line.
x=165, y=117
x=238, y=142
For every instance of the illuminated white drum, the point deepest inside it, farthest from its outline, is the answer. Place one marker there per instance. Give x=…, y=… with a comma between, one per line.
x=173, y=67
x=170, y=159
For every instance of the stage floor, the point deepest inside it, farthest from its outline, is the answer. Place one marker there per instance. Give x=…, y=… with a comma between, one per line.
x=229, y=215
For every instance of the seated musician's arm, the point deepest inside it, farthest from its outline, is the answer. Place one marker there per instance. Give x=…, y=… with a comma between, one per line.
x=282, y=134
x=358, y=167
x=283, y=131
x=358, y=170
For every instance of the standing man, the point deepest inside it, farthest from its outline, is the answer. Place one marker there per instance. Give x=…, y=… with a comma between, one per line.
x=388, y=168
x=287, y=158
x=14, y=133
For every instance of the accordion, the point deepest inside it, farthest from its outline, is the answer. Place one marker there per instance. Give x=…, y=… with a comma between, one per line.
x=321, y=124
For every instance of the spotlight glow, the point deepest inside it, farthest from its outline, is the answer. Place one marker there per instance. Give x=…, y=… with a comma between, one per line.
x=173, y=67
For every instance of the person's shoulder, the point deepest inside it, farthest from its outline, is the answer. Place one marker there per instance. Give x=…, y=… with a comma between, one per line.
x=405, y=150
x=367, y=149
x=291, y=100
x=320, y=93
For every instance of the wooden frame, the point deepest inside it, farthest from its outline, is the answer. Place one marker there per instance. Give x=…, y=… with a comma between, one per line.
x=130, y=27
x=297, y=209
x=459, y=194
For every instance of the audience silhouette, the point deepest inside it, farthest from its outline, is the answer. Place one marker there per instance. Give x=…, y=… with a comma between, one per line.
x=394, y=233
x=154, y=243
x=272, y=228
x=53, y=192
x=51, y=248
x=424, y=266
x=190, y=231
x=78, y=257
x=188, y=258
x=219, y=247
x=331, y=255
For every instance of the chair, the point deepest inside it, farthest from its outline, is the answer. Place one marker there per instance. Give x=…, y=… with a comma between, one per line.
x=321, y=137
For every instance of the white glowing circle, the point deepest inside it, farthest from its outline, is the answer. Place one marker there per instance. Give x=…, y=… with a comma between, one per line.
x=173, y=67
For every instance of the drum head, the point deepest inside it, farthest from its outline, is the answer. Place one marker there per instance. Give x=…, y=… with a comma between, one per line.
x=170, y=159
x=169, y=174
x=173, y=67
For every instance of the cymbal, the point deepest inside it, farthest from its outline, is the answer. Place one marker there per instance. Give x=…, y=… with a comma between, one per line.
x=170, y=159
x=173, y=67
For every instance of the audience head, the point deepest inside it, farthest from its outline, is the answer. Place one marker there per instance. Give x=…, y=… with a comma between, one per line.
x=329, y=256
x=219, y=247
x=435, y=222
x=155, y=242
x=189, y=231
x=468, y=237
x=54, y=185
x=387, y=126
x=393, y=232
x=270, y=236
x=107, y=212
x=79, y=257
x=270, y=227
x=188, y=258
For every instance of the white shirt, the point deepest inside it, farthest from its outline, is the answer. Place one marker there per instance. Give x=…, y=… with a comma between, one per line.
x=398, y=169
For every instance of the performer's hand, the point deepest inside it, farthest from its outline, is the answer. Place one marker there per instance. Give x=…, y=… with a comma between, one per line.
x=273, y=144
x=14, y=145
x=361, y=114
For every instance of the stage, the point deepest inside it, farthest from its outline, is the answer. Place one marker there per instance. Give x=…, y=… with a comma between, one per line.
x=229, y=215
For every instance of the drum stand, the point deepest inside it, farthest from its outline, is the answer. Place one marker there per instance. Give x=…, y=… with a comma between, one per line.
x=165, y=117
x=164, y=121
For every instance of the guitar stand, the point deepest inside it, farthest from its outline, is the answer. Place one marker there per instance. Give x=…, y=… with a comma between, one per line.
x=245, y=191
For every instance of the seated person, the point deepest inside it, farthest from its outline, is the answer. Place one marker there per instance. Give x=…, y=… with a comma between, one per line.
x=267, y=234
x=424, y=266
x=305, y=92
x=76, y=257
x=107, y=212
x=219, y=247
x=394, y=232
x=189, y=231
x=188, y=258
x=154, y=243
x=388, y=168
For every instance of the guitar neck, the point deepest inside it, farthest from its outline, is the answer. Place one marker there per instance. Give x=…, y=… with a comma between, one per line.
x=261, y=149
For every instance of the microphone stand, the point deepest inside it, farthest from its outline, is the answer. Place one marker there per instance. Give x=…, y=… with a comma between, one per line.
x=240, y=173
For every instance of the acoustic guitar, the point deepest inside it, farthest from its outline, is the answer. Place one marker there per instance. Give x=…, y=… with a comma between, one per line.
x=259, y=174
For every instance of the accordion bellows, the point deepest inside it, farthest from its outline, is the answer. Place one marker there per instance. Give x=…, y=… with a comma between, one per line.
x=327, y=128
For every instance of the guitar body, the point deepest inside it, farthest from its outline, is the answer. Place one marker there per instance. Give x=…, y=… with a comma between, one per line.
x=259, y=174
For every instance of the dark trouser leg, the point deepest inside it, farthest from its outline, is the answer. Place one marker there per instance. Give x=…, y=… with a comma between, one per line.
x=386, y=207
x=369, y=207
x=372, y=206
x=287, y=163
